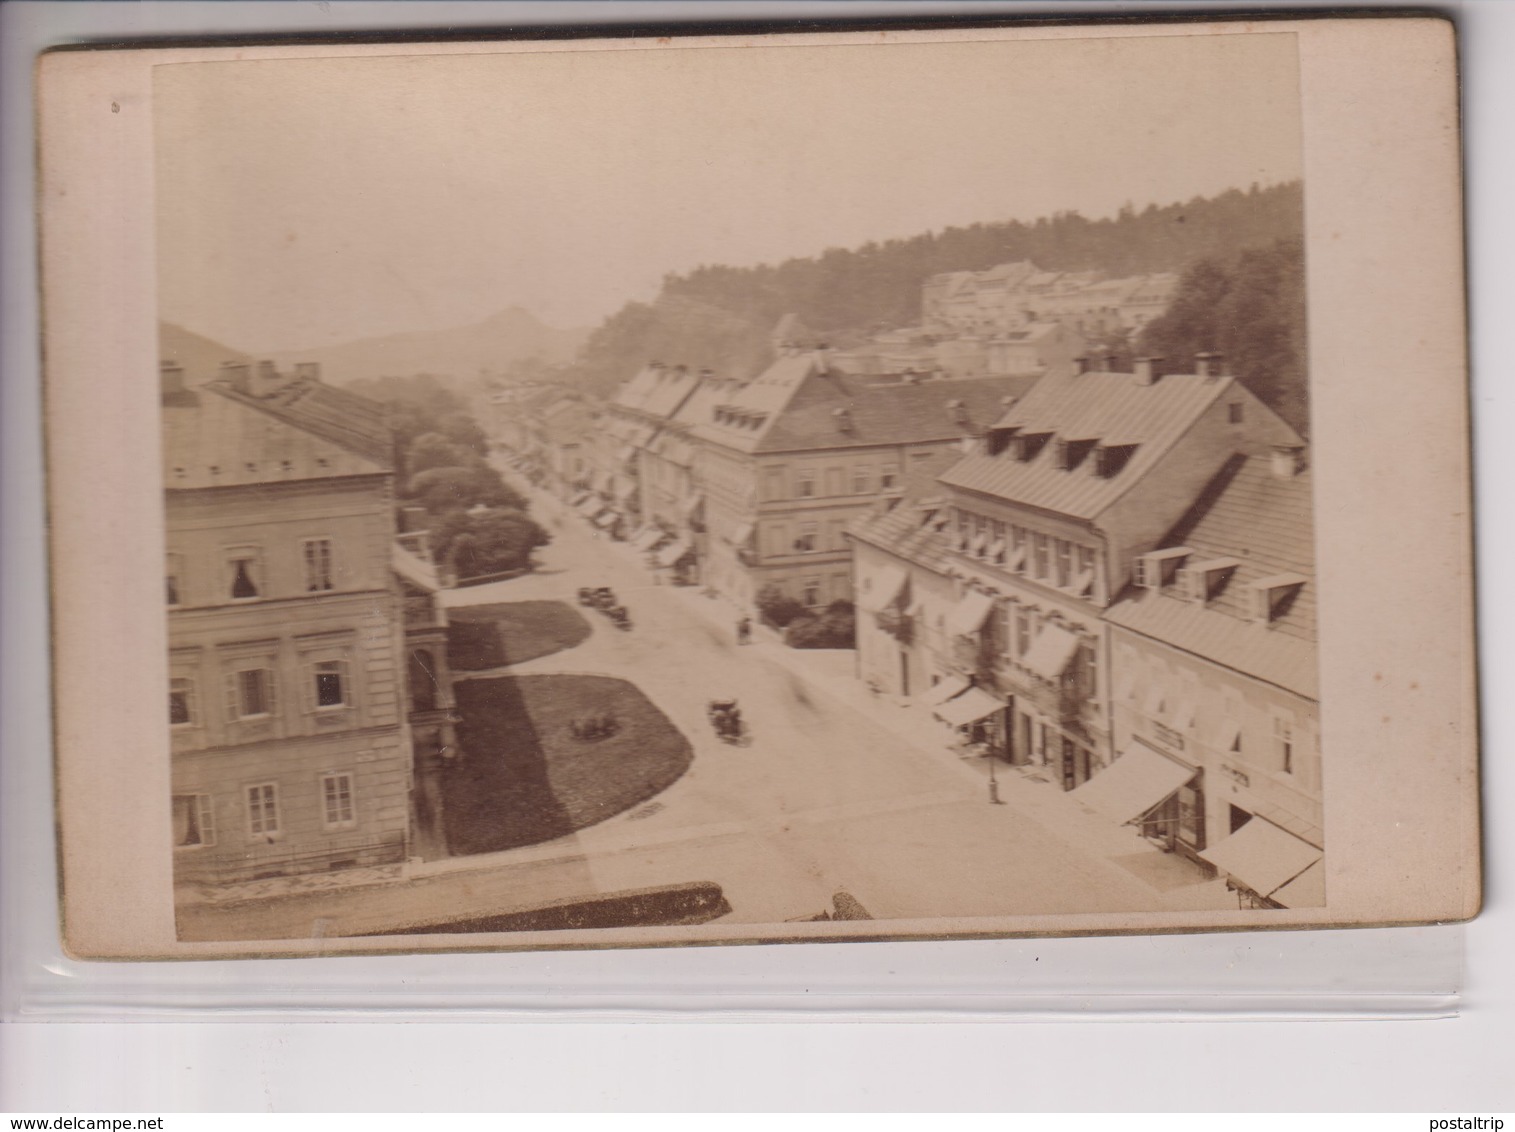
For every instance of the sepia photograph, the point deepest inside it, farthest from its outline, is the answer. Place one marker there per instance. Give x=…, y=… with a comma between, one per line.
x=787, y=490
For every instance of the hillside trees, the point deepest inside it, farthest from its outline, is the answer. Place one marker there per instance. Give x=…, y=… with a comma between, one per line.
x=720, y=316
x=1251, y=308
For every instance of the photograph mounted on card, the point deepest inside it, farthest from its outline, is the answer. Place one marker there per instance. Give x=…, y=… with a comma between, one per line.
x=758, y=488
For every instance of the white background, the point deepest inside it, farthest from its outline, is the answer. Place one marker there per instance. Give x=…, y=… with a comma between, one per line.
x=1458, y=1065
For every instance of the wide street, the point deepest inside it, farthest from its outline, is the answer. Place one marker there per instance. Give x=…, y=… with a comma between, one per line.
x=836, y=791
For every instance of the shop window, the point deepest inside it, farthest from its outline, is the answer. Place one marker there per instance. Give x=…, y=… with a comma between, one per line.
x=250, y=693
x=181, y=702
x=316, y=553
x=1283, y=743
x=336, y=801
x=173, y=579
x=329, y=685
x=263, y=809
x=1040, y=555
x=1064, y=576
x=194, y=821
x=245, y=573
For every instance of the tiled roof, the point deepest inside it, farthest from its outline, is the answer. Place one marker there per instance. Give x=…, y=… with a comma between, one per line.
x=1265, y=523
x=355, y=422
x=889, y=414
x=219, y=438
x=1111, y=408
x=657, y=390
x=904, y=532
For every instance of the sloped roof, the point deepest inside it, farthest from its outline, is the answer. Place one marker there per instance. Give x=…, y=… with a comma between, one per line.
x=1111, y=408
x=888, y=414
x=217, y=437
x=657, y=390
x=353, y=421
x=905, y=533
x=1264, y=522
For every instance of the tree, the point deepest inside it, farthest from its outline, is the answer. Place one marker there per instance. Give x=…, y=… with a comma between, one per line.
x=463, y=431
x=433, y=450
x=778, y=609
x=490, y=541
x=1251, y=309
x=457, y=488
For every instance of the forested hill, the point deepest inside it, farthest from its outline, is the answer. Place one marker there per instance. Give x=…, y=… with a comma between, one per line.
x=720, y=316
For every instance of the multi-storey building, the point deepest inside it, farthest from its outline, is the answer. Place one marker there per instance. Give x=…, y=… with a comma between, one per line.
x=1038, y=529
x=785, y=462
x=290, y=744
x=1215, y=698
x=1013, y=295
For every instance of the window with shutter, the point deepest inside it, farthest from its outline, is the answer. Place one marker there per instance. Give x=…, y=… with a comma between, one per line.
x=194, y=821
x=263, y=809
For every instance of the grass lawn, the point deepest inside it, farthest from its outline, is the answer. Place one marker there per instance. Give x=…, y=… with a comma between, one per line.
x=488, y=636
x=523, y=778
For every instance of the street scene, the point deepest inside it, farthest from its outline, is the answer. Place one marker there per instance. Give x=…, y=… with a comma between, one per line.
x=621, y=541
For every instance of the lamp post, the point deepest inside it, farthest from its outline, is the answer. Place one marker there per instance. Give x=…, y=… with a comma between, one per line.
x=993, y=782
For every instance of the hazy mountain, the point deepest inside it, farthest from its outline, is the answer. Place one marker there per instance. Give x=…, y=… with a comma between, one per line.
x=201, y=357
x=460, y=353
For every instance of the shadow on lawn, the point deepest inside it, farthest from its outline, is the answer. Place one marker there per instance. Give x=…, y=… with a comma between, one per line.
x=523, y=778
x=491, y=636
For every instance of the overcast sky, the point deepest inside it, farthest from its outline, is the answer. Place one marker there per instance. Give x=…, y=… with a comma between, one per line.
x=306, y=202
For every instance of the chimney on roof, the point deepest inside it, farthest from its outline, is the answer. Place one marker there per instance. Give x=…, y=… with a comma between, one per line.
x=266, y=380
x=843, y=418
x=238, y=375
x=1288, y=461
x=1209, y=364
x=170, y=378
x=308, y=371
x=1148, y=370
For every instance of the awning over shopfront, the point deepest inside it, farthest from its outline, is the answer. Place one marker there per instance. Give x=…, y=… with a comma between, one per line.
x=888, y=586
x=649, y=538
x=1307, y=890
x=590, y=507
x=1262, y=857
x=606, y=519
x=1051, y=652
x=1134, y=783
x=944, y=690
x=674, y=553
x=972, y=706
x=969, y=615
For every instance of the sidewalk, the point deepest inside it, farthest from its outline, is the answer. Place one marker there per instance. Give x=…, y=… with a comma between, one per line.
x=1028, y=790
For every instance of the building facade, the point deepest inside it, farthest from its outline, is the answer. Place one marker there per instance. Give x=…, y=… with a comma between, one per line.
x=1039, y=529
x=1216, y=683
x=783, y=464
x=287, y=714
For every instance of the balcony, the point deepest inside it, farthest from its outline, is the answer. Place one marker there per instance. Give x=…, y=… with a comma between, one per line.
x=424, y=613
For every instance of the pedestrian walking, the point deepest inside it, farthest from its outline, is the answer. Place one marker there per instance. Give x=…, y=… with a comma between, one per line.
x=744, y=631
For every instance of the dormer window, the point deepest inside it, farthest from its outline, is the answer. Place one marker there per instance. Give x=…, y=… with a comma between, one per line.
x=1071, y=453
x=1112, y=459
x=1029, y=445
x=1159, y=568
x=1205, y=581
x=1274, y=596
